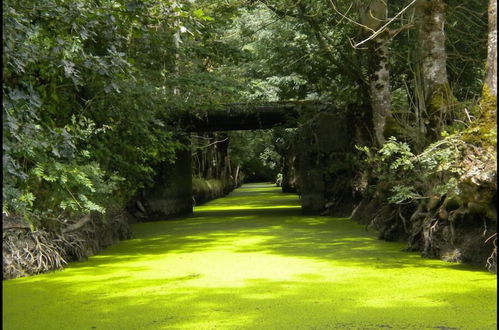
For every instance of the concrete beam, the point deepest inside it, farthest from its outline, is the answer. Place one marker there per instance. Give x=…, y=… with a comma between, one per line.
x=242, y=116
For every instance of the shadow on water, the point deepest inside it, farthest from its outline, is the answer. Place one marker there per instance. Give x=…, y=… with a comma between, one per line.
x=239, y=263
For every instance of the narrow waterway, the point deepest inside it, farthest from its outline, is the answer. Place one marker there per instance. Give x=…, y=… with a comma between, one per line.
x=251, y=261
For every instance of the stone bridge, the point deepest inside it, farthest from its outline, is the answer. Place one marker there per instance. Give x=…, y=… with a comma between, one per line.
x=240, y=116
x=326, y=136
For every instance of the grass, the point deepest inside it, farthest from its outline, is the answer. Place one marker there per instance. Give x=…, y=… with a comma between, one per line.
x=251, y=261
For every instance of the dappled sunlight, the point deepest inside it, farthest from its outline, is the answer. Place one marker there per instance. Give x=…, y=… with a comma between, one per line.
x=270, y=270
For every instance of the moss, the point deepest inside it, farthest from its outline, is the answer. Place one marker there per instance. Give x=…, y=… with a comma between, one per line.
x=199, y=185
x=483, y=131
x=392, y=128
x=258, y=265
x=488, y=104
x=441, y=97
x=440, y=106
x=204, y=190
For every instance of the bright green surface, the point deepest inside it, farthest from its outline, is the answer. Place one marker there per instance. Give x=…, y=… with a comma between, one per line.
x=250, y=261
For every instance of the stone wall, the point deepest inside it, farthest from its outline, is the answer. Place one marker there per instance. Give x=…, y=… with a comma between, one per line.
x=171, y=194
x=324, y=176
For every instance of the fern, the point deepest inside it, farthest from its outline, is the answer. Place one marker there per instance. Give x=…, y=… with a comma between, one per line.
x=38, y=170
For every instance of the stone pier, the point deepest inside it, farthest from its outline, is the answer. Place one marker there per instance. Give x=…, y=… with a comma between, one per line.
x=172, y=193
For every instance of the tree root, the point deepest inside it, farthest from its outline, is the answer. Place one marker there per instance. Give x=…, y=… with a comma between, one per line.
x=27, y=252
x=492, y=260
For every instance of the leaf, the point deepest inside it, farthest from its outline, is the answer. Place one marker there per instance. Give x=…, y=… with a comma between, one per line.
x=198, y=13
x=38, y=170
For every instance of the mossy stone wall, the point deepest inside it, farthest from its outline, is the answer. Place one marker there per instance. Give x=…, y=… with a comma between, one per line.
x=325, y=141
x=172, y=193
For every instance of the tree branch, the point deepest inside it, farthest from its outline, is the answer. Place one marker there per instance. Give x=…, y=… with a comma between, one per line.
x=348, y=18
x=381, y=29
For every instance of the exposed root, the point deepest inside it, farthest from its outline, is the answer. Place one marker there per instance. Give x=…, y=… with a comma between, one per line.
x=404, y=220
x=492, y=260
x=433, y=228
x=27, y=252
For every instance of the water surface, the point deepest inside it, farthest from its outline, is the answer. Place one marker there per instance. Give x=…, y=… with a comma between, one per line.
x=251, y=261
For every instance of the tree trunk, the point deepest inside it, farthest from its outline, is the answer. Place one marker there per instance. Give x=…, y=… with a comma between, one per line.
x=490, y=85
x=436, y=91
x=379, y=76
x=176, y=46
x=236, y=176
x=488, y=103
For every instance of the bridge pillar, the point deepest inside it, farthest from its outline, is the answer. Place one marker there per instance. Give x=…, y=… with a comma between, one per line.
x=311, y=183
x=324, y=144
x=290, y=171
x=171, y=194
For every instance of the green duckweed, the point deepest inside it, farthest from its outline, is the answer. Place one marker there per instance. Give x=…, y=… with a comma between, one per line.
x=251, y=261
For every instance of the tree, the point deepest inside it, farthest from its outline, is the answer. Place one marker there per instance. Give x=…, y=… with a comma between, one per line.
x=437, y=95
x=373, y=17
x=488, y=101
x=490, y=84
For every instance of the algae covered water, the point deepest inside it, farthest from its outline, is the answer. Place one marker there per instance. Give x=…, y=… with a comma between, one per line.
x=251, y=261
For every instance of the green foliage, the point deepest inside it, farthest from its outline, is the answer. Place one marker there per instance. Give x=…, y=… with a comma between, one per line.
x=270, y=158
x=256, y=152
x=43, y=168
x=405, y=176
x=87, y=90
x=466, y=46
x=284, y=59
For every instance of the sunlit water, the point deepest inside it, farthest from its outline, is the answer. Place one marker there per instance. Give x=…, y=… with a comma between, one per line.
x=251, y=261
